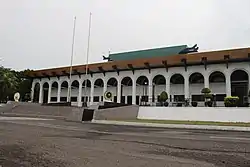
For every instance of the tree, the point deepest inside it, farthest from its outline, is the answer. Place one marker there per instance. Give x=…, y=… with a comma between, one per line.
x=207, y=95
x=163, y=97
x=13, y=81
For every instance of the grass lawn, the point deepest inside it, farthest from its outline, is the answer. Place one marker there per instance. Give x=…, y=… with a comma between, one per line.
x=242, y=124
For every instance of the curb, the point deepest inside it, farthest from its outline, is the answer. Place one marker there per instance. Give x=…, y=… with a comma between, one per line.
x=177, y=126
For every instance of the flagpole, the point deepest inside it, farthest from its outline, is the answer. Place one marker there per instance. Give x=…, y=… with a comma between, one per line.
x=87, y=59
x=71, y=61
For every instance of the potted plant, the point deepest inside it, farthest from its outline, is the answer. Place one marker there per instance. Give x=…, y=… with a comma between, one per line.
x=194, y=103
x=163, y=98
x=231, y=101
x=207, y=95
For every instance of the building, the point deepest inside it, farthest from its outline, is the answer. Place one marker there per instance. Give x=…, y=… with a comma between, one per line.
x=138, y=76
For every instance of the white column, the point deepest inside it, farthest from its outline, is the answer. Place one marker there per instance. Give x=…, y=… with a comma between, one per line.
x=167, y=85
x=126, y=99
x=41, y=94
x=186, y=86
x=92, y=94
x=134, y=91
x=104, y=88
x=119, y=91
x=32, y=91
x=79, y=99
x=206, y=81
x=150, y=88
x=228, y=83
x=59, y=92
x=49, y=92
x=68, y=92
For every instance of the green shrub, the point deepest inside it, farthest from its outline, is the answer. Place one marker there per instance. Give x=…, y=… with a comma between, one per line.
x=205, y=91
x=163, y=96
x=231, y=101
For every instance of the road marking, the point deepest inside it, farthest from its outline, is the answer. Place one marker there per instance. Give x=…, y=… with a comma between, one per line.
x=171, y=132
x=21, y=118
x=230, y=138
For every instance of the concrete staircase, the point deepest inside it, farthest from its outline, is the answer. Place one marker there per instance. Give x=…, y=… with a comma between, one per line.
x=38, y=110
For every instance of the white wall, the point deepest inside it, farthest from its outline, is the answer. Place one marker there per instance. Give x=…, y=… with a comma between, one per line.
x=220, y=114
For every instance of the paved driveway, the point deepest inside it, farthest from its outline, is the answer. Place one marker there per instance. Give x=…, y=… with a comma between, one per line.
x=61, y=143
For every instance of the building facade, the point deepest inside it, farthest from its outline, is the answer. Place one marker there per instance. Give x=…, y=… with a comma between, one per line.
x=140, y=81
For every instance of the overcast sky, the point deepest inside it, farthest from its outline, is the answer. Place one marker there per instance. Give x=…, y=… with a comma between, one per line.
x=37, y=34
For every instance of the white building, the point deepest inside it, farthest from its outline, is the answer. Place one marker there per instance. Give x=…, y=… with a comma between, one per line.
x=138, y=75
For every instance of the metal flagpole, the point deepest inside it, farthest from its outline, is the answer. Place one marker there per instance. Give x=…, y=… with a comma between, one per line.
x=87, y=59
x=71, y=61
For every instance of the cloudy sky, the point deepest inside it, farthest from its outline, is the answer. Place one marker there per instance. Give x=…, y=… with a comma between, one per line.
x=37, y=34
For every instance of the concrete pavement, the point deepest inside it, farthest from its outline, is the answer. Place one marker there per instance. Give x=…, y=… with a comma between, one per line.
x=65, y=143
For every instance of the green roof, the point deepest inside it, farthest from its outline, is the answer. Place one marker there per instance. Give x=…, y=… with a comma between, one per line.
x=157, y=52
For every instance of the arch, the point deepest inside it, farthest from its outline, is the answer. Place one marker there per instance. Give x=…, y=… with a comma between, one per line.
x=64, y=84
x=64, y=91
x=54, y=91
x=126, y=90
x=55, y=84
x=217, y=76
x=159, y=80
x=196, y=78
x=142, y=90
x=127, y=81
x=142, y=80
x=98, y=90
x=74, y=89
x=37, y=88
x=45, y=85
x=239, y=75
x=239, y=85
x=177, y=87
x=86, y=84
x=112, y=82
x=75, y=84
x=177, y=79
x=99, y=83
x=45, y=92
x=112, y=87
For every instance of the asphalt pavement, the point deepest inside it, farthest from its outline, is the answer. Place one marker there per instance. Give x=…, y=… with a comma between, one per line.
x=42, y=142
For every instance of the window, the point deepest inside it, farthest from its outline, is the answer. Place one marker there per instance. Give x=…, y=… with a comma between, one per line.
x=96, y=98
x=129, y=99
x=123, y=99
x=144, y=98
x=74, y=99
x=198, y=98
x=220, y=97
x=63, y=98
x=53, y=98
x=115, y=99
x=137, y=100
x=179, y=98
x=83, y=99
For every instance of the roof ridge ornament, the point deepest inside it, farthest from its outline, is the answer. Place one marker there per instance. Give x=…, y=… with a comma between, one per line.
x=189, y=50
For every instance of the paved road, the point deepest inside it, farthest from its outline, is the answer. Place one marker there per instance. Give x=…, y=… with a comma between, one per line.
x=61, y=143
